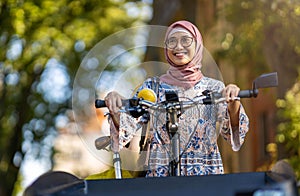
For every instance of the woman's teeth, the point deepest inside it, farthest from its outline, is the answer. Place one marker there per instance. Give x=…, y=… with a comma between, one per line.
x=179, y=54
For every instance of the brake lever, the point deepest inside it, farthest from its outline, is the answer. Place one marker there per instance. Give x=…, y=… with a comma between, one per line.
x=224, y=99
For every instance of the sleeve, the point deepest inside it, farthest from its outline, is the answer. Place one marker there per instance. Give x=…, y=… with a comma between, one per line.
x=234, y=135
x=129, y=126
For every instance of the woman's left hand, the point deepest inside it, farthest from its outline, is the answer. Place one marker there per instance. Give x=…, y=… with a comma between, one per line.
x=230, y=93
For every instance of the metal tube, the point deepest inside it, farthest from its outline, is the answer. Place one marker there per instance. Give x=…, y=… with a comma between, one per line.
x=117, y=165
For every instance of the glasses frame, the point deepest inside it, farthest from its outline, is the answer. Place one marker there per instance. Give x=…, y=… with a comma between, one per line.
x=186, y=46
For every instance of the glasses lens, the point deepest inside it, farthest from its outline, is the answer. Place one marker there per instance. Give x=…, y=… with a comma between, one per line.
x=184, y=41
x=171, y=43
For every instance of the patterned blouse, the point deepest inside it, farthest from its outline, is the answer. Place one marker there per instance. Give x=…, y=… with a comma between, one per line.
x=198, y=130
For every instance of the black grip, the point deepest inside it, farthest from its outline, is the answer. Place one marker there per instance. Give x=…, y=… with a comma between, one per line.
x=248, y=93
x=102, y=142
x=100, y=103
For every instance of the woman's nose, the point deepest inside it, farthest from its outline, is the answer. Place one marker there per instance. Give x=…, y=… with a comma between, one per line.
x=179, y=45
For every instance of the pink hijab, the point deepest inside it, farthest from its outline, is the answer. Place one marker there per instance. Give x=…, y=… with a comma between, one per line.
x=187, y=75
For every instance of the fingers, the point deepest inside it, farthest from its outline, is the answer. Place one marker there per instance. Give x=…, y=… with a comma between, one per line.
x=113, y=102
x=230, y=92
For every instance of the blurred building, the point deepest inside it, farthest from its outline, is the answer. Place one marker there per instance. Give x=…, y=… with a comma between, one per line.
x=74, y=150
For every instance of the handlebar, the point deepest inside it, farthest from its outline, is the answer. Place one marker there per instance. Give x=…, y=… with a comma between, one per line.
x=212, y=98
x=137, y=106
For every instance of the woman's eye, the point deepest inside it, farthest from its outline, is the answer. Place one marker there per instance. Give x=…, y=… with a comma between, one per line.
x=185, y=40
x=172, y=41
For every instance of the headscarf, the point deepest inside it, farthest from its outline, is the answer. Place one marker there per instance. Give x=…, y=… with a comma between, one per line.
x=187, y=75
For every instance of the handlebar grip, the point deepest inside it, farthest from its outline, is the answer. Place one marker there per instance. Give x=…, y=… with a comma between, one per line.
x=245, y=93
x=248, y=93
x=100, y=103
x=102, y=142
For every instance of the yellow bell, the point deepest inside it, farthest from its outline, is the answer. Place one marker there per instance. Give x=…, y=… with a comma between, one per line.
x=148, y=95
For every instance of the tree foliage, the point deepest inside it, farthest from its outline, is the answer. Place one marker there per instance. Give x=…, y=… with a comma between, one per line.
x=265, y=37
x=37, y=39
x=289, y=129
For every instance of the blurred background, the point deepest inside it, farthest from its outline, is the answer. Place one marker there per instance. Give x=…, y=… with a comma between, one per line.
x=42, y=44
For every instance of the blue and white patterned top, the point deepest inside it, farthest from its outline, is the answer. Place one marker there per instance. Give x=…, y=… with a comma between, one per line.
x=198, y=127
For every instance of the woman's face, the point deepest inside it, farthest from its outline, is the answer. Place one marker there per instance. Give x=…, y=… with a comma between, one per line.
x=181, y=48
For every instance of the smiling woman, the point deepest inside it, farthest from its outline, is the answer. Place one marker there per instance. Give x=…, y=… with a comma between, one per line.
x=181, y=48
x=185, y=58
x=197, y=151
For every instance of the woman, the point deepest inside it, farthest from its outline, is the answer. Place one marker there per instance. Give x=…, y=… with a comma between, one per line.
x=197, y=126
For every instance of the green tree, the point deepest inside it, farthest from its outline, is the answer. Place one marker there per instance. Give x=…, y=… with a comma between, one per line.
x=36, y=36
x=263, y=36
x=289, y=128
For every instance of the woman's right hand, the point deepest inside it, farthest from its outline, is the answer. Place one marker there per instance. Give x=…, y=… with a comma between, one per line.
x=113, y=101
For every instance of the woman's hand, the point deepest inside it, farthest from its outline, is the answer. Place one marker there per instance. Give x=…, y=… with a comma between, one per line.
x=230, y=92
x=113, y=101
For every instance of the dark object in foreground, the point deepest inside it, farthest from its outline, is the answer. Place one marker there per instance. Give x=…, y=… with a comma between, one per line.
x=254, y=183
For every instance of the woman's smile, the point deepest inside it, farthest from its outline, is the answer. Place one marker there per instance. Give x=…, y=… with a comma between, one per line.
x=180, y=54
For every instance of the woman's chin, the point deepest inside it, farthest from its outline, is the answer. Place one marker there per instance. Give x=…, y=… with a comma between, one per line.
x=181, y=63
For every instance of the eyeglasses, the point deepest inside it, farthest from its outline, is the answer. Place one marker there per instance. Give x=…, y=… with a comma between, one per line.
x=185, y=41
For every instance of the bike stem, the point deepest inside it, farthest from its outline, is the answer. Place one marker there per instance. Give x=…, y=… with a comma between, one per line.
x=172, y=128
x=117, y=165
